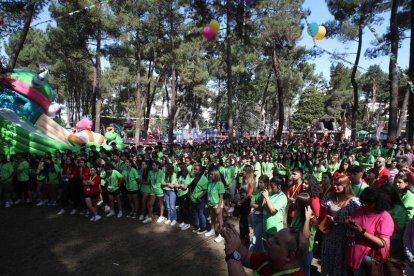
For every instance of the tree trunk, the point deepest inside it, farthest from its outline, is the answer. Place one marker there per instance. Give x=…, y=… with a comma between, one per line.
x=173, y=106
x=410, y=130
x=280, y=92
x=138, y=92
x=97, y=78
x=403, y=113
x=229, y=71
x=20, y=42
x=354, y=112
x=393, y=77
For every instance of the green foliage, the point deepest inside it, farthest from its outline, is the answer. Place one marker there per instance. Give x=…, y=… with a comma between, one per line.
x=310, y=107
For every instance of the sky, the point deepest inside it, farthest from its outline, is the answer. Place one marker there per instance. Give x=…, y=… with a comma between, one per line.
x=319, y=14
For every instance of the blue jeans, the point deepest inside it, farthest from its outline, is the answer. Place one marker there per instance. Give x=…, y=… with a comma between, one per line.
x=256, y=244
x=169, y=199
x=199, y=216
x=307, y=264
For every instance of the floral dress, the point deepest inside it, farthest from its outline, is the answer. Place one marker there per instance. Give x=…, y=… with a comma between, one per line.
x=333, y=250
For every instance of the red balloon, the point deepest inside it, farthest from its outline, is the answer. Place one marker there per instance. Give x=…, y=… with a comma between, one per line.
x=209, y=33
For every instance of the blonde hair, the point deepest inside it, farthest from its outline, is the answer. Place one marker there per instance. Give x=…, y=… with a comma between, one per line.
x=344, y=181
x=215, y=175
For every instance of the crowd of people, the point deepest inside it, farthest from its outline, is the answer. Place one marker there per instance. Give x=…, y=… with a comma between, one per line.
x=349, y=201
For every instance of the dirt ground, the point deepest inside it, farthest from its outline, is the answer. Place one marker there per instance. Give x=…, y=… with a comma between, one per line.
x=35, y=241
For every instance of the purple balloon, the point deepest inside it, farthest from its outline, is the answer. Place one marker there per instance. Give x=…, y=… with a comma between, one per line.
x=208, y=32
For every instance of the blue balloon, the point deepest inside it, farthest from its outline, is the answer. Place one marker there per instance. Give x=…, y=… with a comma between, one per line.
x=313, y=29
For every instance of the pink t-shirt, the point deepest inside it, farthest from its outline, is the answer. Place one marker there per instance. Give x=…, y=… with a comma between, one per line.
x=376, y=224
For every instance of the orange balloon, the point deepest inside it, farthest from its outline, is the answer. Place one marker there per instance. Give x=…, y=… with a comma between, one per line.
x=321, y=33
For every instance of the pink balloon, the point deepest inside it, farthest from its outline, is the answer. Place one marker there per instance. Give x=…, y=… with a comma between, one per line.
x=208, y=32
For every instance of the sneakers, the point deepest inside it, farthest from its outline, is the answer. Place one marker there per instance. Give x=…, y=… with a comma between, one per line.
x=119, y=214
x=107, y=209
x=86, y=214
x=195, y=230
x=231, y=209
x=173, y=223
x=40, y=203
x=160, y=219
x=100, y=203
x=210, y=233
x=167, y=221
x=141, y=217
x=96, y=218
x=7, y=204
x=219, y=239
x=147, y=220
x=17, y=202
x=181, y=224
x=185, y=227
x=134, y=215
x=130, y=214
x=201, y=231
x=111, y=213
x=61, y=212
x=73, y=212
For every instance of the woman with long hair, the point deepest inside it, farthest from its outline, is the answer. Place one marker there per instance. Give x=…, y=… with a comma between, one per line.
x=403, y=181
x=306, y=222
x=215, y=192
x=339, y=206
x=156, y=177
x=184, y=179
x=69, y=171
x=371, y=176
x=52, y=173
x=130, y=175
x=343, y=169
x=310, y=186
x=257, y=202
x=144, y=184
x=246, y=191
x=91, y=192
x=170, y=196
x=114, y=180
x=372, y=228
x=274, y=206
x=399, y=216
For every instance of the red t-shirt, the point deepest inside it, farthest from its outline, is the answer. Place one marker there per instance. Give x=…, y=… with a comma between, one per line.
x=383, y=177
x=293, y=192
x=92, y=189
x=258, y=258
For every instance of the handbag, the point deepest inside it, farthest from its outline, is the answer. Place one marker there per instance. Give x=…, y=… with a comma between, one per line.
x=384, y=267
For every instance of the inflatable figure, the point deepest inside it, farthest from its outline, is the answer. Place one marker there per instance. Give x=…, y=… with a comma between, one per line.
x=26, y=99
x=86, y=137
x=113, y=138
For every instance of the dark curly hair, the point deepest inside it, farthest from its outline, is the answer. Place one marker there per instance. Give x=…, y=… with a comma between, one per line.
x=314, y=188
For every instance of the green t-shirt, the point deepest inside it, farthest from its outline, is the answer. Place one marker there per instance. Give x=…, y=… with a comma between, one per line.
x=267, y=168
x=258, y=170
x=113, y=181
x=257, y=198
x=281, y=169
x=40, y=169
x=408, y=200
x=155, y=178
x=172, y=180
x=298, y=223
x=119, y=166
x=229, y=173
x=200, y=187
x=367, y=160
x=23, y=174
x=318, y=171
x=214, y=190
x=131, y=179
x=358, y=188
x=53, y=175
x=103, y=176
x=6, y=173
x=376, y=152
x=400, y=217
x=273, y=223
x=184, y=181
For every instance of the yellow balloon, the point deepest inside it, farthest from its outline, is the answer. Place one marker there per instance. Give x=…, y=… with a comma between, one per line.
x=321, y=33
x=215, y=25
